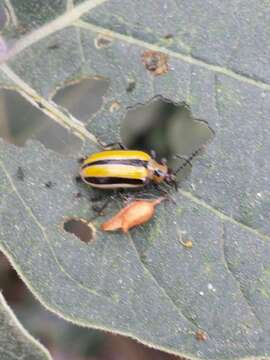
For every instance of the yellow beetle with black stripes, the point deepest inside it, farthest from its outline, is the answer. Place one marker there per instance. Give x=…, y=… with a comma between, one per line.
x=111, y=169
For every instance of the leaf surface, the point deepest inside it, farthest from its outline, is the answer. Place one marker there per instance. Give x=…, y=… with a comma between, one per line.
x=147, y=285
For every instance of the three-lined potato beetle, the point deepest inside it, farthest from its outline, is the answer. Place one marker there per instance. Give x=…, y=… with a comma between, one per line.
x=112, y=169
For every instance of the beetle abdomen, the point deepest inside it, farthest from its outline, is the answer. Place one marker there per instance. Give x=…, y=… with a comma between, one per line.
x=116, y=169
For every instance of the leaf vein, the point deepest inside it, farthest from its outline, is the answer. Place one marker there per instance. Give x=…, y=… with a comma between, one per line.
x=58, y=24
x=221, y=215
x=178, y=55
x=238, y=284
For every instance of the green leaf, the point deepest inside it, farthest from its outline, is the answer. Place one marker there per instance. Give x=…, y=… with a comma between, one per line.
x=15, y=341
x=147, y=285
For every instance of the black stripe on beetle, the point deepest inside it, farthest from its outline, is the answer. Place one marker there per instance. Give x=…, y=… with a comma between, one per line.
x=113, y=180
x=130, y=162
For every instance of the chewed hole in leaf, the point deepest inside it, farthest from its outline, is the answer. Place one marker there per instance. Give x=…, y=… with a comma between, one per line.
x=102, y=41
x=82, y=99
x=201, y=335
x=21, y=121
x=115, y=106
x=84, y=231
x=49, y=184
x=131, y=85
x=166, y=128
x=20, y=174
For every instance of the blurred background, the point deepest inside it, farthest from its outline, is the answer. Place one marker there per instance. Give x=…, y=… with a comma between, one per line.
x=161, y=126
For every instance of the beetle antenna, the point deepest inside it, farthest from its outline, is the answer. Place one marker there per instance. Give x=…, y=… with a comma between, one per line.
x=187, y=161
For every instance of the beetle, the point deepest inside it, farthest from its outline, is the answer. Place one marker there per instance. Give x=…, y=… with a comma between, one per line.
x=113, y=169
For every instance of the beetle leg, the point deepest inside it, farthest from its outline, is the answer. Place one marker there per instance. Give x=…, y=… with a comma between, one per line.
x=81, y=159
x=78, y=179
x=113, y=145
x=163, y=161
x=124, y=196
x=158, y=187
x=128, y=199
x=99, y=209
x=165, y=193
x=97, y=197
x=153, y=154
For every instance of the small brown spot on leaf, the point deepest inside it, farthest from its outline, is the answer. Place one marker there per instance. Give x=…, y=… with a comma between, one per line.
x=20, y=173
x=40, y=105
x=131, y=84
x=168, y=36
x=49, y=184
x=78, y=179
x=53, y=47
x=78, y=195
x=103, y=41
x=22, y=29
x=114, y=106
x=187, y=244
x=81, y=160
x=82, y=229
x=155, y=62
x=201, y=335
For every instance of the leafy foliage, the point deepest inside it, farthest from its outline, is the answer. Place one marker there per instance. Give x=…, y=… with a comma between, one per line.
x=146, y=285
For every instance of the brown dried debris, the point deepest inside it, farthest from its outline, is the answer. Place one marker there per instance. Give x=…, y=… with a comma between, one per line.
x=155, y=62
